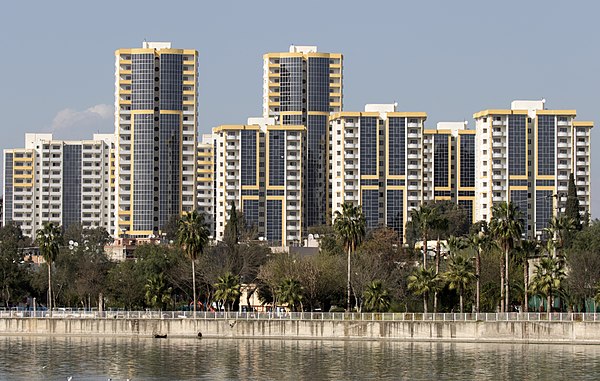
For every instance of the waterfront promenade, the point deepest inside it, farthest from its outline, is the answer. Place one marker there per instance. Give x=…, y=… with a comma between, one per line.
x=472, y=327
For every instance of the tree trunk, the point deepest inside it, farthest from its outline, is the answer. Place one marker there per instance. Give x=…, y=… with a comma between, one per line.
x=348, y=286
x=549, y=302
x=502, y=273
x=194, y=285
x=424, y=250
x=49, y=287
x=437, y=271
x=425, y=302
x=460, y=299
x=525, y=285
x=506, y=285
x=248, y=297
x=477, y=276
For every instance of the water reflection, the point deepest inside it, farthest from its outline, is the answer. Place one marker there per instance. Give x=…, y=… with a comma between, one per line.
x=90, y=358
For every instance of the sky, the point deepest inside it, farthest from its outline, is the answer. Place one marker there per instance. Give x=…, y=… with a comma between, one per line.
x=447, y=58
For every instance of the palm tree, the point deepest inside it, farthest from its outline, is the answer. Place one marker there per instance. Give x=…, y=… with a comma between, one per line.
x=548, y=278
x=49, y=239
x=459, y=275
x=440, y=225
x=192, y=236
x=377, y=297
x=350, y=226
x=479, y=240
x=425, y=218
x=157, y=293
x=456, y=244
x=506, y=227
x=227, y=289
x=528, y=249
x=421, y=282
x=290, y=292
x=557, y=230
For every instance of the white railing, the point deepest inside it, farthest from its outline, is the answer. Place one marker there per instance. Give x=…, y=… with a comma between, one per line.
x=396, y=316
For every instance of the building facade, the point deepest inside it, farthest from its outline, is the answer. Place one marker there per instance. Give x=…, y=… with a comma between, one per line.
x=259, y=169
x=155, y=126
x=206, y=173
x=302, y=87
x=525, y=155
x=63, y=182
x=377, y=162
x=449, y=164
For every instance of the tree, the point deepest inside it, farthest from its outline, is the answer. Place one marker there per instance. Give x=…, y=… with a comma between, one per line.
x=13, y=274
x=169, y=229
x=425, y=218
x=479, y=240
x=227, y=290
x=441, y=226
x=456, y=244
x=583, y=262
x=506, y=226
x=291, y=292
x=528, y=249
x=49, y=239
x=125, y=286
x=422, y=282
x=350, y=227
x=158, y=295
x=572, y=206
x=377, y=297
x=558, y=229
x=548, y=278
x=192, y=236
x=231, y=235
x=459, y=276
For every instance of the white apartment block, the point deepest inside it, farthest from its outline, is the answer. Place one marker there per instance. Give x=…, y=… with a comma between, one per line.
x=58, y=181
x=259, y=168
x=525, y=155
x=376, y=161
x=205, y=179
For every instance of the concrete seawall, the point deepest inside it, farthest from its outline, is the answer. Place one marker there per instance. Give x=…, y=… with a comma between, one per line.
x=470, y=331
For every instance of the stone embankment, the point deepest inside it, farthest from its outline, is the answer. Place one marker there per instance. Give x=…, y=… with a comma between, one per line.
x=467, y=331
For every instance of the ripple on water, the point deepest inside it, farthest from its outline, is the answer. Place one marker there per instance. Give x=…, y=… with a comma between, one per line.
x=100, y=358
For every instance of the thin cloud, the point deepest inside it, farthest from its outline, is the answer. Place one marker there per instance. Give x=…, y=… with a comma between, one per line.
x=74, y=124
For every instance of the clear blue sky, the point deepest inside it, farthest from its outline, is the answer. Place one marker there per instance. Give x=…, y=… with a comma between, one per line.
x=448, y=58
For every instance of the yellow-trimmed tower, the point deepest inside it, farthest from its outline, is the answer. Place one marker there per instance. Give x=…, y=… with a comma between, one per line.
x=155, y=124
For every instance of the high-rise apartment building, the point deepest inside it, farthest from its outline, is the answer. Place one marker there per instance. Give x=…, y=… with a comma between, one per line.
x=259, y=168
x=205, y=180
x=525, y=155
x=63, y=182
x=155, y=126
x=302, y=87
x=449, y=164
x=377, y=162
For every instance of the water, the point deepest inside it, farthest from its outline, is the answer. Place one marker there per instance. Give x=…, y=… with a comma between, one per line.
x=91, y=358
